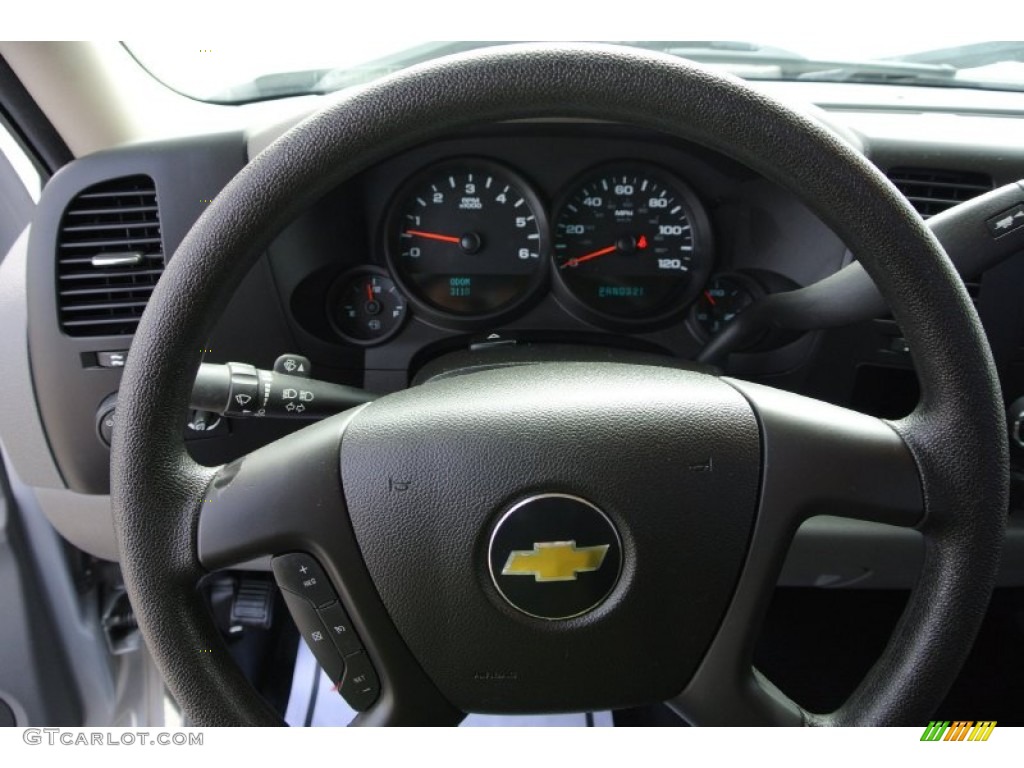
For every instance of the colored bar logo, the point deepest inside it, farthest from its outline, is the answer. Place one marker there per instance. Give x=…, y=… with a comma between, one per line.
x=959, y=730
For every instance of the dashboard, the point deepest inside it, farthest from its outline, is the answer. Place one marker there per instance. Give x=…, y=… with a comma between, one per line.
x=537, y=239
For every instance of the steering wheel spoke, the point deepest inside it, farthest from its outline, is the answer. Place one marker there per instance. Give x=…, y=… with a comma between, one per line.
x=735, y=695
x=820, y=459
x=285, y=501
x=283, y=497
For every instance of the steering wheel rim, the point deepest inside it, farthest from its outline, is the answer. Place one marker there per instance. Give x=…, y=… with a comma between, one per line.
x=955, y=435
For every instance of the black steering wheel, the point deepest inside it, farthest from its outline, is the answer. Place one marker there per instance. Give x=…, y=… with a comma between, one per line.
x=676, y=493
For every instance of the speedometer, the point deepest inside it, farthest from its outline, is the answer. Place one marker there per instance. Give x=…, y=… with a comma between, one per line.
x=631, y=244
x=468, y=238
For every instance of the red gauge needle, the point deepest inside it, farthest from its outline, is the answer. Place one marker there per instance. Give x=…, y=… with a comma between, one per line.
x=589, y=256
x=369, y=291
x=710, y=298
x=434, y=236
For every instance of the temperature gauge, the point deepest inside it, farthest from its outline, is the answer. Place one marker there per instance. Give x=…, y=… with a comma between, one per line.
x=366, y=307
x=724, y=297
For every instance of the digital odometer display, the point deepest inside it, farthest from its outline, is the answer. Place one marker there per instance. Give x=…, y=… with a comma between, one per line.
x=630, y=244
x=468, y=239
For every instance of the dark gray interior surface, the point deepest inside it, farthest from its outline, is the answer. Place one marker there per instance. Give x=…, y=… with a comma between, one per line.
x=271, y=312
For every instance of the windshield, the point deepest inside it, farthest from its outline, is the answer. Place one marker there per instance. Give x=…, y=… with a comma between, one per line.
x=235, y=74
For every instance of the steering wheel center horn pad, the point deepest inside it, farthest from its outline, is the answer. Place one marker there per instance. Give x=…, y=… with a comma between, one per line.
x=433, y=477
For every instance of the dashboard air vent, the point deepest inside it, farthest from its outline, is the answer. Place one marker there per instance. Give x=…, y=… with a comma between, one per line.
x=932, y=192
x=109, y=257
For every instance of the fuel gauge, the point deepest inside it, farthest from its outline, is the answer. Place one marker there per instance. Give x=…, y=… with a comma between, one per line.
x=365, y=306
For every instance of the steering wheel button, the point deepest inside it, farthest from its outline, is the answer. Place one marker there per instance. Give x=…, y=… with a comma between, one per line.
x=302, y=575
x=360, y=686
x=339, y=627
x=316, y=636
x=1007, y=221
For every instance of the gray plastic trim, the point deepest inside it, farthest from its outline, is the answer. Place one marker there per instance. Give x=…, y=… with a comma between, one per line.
x=125, y=691
x=838, y=553
x=21, y=430
x=35, y=637
x=85, y=521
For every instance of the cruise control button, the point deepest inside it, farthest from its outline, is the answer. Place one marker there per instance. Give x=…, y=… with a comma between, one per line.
x=1007, y=221
x=339, y=627
x=316, y=636
x=301, y=574
x=360, y=687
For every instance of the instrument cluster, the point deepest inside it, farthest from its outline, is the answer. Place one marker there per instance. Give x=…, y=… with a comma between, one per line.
x=469, y=243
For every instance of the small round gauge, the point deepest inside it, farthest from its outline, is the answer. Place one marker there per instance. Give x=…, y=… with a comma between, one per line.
x=631, y=244
x=467, y=239
x=365, y=306
x=724, y=297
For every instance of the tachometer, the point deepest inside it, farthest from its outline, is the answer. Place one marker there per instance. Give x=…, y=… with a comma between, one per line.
x=468, y=239
x=631, y=244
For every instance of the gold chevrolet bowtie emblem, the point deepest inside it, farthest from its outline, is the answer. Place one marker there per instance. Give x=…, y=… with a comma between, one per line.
x=554, y=561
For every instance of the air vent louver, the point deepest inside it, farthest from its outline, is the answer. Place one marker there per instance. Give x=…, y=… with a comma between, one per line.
x=932, y=192
x=109, y=257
